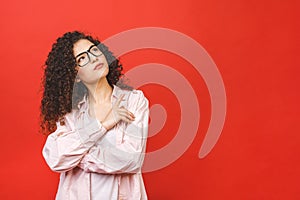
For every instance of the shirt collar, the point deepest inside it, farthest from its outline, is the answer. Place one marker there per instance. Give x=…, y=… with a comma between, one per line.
x=115, y=93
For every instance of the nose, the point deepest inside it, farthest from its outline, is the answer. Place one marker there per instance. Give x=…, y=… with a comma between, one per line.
x=93, y=58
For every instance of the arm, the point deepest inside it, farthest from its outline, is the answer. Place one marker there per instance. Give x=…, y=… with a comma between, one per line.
x=128, y=154
x=65, y=147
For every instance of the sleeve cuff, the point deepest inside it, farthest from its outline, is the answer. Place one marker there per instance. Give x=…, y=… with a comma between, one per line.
x=92, y=132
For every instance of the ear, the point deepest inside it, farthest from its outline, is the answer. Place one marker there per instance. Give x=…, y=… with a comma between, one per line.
x=77, y=80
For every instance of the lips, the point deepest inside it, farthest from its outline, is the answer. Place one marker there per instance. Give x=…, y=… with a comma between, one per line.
x=99, y=66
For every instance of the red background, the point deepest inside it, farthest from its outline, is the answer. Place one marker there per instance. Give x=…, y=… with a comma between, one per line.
x=255, y=45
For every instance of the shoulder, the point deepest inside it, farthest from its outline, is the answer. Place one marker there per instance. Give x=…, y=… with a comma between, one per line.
x=138, y=99
x=134, y=96
x=138, y=94
x=68, y=119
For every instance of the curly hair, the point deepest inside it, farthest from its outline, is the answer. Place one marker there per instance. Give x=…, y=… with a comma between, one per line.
x=61, y=93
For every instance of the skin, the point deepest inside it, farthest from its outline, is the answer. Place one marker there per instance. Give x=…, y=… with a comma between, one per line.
x=100, y=106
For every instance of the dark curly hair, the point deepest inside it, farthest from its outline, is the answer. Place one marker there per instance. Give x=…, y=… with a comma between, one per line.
x=61, y=93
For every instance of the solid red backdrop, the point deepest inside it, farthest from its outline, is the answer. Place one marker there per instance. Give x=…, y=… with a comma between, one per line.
x=255, y=45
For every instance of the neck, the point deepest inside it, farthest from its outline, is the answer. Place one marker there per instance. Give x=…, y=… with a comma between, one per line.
x=100, y=92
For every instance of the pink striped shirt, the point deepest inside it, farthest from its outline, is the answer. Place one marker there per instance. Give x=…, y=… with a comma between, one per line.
x=98, y=164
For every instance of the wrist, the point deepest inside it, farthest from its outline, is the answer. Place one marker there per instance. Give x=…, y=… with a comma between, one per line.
x=105, y=125
x=108, y=123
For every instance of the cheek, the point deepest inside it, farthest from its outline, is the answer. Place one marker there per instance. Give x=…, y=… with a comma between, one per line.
x=106, y=70
x=82, y=74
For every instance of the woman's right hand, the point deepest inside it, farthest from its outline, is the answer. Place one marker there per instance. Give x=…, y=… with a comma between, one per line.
x=117, y=114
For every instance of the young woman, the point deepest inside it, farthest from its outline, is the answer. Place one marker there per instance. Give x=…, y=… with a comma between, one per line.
x=97, y=127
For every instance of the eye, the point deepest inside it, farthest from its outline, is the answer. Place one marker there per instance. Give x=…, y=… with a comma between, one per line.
x=81, y=58
x=95, y=49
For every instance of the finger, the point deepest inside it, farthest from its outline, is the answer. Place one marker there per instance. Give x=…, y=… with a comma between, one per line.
x=131, y=114
x=123, y=109
x=125, y=119
x=126, y=115
x=126, y=112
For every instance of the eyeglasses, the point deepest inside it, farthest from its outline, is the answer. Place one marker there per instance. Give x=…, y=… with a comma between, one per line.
x=83, y=58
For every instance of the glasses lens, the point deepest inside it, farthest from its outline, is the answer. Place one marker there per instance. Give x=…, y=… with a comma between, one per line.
x=95, y=51
x=83, y=59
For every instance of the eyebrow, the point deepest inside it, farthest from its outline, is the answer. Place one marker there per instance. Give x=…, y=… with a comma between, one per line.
x=85, y=51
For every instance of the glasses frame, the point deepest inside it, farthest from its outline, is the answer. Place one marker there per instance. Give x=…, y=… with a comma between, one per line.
x=87, y=53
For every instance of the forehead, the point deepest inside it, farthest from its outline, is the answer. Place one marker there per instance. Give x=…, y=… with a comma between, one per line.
x=81, y=46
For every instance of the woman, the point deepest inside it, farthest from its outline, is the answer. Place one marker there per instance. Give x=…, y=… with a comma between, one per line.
x=98, y=130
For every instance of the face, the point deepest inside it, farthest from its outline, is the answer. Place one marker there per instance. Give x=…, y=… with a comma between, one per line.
x=93, y=68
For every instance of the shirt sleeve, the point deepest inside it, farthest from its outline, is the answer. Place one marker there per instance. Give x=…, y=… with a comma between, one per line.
x=65, y=147
x=127, y=155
